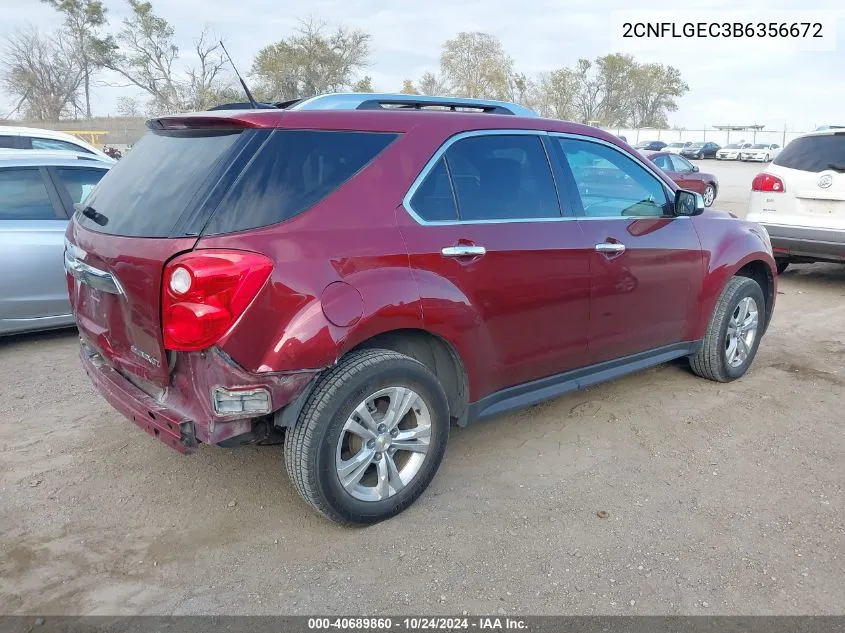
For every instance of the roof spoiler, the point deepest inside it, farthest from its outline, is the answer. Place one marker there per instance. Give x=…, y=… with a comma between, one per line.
x=278, y=105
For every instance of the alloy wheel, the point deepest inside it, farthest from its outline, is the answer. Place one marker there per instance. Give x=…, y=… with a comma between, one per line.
x=383, y=444
x=742, y=330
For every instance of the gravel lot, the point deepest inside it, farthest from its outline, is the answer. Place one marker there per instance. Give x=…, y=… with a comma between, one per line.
x=720, y=499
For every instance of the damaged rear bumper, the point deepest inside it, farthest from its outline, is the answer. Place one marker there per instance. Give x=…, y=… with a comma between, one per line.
x=182, y=415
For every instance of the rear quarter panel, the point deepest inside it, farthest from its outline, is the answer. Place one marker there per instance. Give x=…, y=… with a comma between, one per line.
x=341, y=273
x=728, y=244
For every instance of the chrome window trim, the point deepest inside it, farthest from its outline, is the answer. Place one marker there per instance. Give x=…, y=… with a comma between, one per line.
x=670, y=195
x=432, y=162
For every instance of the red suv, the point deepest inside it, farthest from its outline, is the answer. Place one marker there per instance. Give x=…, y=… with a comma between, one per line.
x=355, y=273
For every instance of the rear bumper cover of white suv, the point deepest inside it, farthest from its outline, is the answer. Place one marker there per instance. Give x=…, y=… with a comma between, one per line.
x=810, y=242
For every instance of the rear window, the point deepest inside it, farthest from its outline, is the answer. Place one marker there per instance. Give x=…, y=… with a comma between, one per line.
x=291, y=172
x=147, y=192
x=814, y=153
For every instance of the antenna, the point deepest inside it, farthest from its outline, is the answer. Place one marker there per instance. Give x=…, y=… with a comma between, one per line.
x=249, y=96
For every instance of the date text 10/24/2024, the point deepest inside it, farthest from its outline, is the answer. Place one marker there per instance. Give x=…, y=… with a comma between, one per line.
x=416, y=624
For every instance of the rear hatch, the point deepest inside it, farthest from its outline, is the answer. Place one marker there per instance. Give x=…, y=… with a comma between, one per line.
x=149, y=208
x=813, y=171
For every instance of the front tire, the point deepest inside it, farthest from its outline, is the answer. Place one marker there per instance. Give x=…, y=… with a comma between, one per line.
x=709, y=195
x=370, y=437
x=733, y=334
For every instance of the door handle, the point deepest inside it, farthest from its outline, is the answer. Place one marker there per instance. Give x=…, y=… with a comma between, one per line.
x=610, y=247
x=463, y=250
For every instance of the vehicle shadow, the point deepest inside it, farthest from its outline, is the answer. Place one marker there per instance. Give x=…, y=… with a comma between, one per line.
x=59, y=335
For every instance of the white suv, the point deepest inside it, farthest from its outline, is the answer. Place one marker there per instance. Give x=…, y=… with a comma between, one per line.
x=800, y=199
x=30, y=138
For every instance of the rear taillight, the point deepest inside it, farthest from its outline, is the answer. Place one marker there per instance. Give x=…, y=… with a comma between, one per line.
x=204, y=292
x=767, y=182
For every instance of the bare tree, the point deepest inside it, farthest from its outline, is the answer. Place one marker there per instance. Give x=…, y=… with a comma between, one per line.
x=84, y=20
x=311, y=61
x=432, y=85
x=43, y=73
x=147, y=56
x=128, y=107
x=476, y=65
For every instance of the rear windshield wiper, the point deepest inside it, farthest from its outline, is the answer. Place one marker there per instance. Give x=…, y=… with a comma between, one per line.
x=92, y=214
x=835, y=167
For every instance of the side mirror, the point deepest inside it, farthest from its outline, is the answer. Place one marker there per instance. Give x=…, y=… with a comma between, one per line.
x=688, y=203
x=695, y=168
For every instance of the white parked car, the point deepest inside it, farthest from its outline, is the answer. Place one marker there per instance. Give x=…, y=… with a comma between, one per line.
x=35, y=138
x=731, y=151
x=677, y=147
x=760, y=151
x=800, y=199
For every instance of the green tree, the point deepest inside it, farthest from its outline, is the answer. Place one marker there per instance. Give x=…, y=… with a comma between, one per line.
x=614, y=78
x=84, y=21
x=476, y=65
x=312, y=61
x=556, y=94
x=654, y=90
x=365, y=84
x=408, y=88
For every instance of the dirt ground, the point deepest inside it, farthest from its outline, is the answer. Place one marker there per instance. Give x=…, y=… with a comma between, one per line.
x=720, y=499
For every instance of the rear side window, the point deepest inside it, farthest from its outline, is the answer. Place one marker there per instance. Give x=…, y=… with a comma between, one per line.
x=502, y=177
x=434, y=200
x=293, y=171
x=23, y=196
x=78, y=182
x=147, y=192
x=8, y=142
x=814, y=153
x=51, y=143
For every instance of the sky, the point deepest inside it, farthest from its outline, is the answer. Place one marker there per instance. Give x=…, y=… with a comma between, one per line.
x=766, y=85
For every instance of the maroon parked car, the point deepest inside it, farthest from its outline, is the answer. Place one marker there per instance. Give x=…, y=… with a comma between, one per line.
x=686, y=175
x=357, y=272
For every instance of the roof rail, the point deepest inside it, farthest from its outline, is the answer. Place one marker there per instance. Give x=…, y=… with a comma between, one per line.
x=371, y=101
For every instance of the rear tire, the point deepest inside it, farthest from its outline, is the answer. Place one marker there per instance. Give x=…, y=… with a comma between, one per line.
x=349, y=456
x=782, y=265
x=733, y=334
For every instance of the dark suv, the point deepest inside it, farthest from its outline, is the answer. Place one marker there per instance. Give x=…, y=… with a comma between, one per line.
x=355, y=273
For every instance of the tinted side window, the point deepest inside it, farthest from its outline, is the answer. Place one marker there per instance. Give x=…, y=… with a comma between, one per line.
x=663, y=162
x=502, y=177
x=78, y=181
x=434, y=199
x=814, y=153
x=51, y=143
x=681, y=164
x=293, y=171
x=8, y=142
x=611, y=184
x=23, y=196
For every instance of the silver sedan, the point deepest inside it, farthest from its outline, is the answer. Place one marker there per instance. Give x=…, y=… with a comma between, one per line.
x=37, y=194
